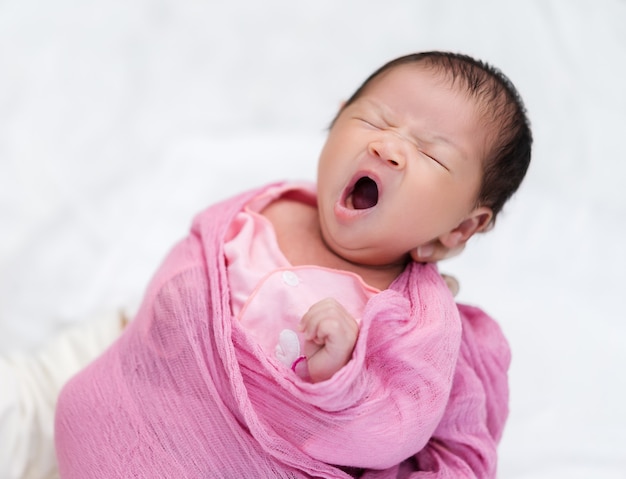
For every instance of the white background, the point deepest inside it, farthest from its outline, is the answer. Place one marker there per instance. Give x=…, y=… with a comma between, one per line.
x=121, y=119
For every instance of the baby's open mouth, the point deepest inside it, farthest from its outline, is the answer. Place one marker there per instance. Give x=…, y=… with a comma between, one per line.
x=364, y=194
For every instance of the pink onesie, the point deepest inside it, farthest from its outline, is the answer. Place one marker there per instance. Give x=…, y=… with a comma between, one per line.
x=261, y=279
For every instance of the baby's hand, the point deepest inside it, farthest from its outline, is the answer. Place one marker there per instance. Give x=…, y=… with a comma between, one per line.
x=435, y=251
x=330, y=335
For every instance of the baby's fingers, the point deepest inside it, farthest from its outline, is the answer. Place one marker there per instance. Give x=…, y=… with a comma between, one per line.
x=330, y=335
x=325, y=318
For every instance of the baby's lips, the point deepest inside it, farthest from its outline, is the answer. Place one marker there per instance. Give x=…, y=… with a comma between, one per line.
x=368, y=185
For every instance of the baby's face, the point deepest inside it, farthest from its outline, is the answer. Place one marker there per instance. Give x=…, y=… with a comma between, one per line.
x=401, y=166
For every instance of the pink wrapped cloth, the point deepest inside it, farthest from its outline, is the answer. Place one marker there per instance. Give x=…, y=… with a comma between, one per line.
x=186, y=393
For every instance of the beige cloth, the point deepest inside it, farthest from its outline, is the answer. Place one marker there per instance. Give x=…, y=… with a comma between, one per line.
x=29, y=386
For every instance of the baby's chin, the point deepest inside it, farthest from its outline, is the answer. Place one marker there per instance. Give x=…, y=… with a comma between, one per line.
x=369, y=257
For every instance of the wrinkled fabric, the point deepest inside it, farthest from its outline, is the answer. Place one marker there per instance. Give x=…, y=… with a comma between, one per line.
x=464, y=445
x=186, y=392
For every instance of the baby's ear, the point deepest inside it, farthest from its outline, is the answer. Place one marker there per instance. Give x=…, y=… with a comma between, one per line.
x=477, y=221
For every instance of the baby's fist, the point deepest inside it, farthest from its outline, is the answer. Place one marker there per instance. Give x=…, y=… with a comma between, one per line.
x=330, y=333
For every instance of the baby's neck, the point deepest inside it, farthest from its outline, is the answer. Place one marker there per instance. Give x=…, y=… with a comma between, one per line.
x=299, y=237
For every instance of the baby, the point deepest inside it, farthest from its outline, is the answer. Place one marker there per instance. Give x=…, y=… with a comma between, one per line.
x=297, y=332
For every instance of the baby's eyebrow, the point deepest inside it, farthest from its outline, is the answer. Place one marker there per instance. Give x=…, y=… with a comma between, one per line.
x=426, y=137
x=375, y=106
x=442, y=139
x=381, y=111
x=448, y=143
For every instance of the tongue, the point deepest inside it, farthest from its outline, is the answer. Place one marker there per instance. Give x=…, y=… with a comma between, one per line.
x=365, y=194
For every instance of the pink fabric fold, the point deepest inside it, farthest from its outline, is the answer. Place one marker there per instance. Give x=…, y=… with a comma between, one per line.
x=185, y=391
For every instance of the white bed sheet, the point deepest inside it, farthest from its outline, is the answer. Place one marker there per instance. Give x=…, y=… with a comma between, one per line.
x=119, y=120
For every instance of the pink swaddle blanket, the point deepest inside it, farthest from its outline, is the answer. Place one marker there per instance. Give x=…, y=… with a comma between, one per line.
x=186, y=393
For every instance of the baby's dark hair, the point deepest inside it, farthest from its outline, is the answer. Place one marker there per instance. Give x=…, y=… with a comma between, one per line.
x=508, y=158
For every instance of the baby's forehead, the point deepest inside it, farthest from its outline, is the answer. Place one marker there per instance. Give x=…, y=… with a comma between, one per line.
x=440, y=77
x=438, y=80
x=476, y=86
x=419, y=69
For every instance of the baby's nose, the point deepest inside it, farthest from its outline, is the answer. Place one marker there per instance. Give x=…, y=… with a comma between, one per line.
x=390, y=150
